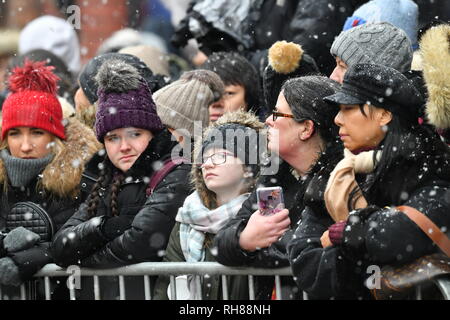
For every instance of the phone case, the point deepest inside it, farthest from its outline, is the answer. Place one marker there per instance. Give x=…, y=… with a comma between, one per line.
x=270, y=200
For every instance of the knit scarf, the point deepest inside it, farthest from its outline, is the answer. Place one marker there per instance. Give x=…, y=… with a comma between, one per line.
x=197, y=220
x=22, y=171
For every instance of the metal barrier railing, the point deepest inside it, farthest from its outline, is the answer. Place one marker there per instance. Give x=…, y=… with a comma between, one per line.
x=173, y=269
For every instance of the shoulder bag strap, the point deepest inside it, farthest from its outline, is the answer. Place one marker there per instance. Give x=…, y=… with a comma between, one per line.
x=428, y=226
x=159, y=175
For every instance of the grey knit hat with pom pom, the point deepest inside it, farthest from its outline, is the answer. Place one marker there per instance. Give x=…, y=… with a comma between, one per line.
x=124, y=100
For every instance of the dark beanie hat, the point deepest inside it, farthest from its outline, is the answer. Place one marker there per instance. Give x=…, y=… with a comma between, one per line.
x=238, y=132
x=305, y=98
x=33, y=101
x=286, y=60
x=124, y=100
x=382, y=87
x=90, y=86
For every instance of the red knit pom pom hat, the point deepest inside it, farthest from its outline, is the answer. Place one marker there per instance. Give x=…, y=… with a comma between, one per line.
x=33, y=101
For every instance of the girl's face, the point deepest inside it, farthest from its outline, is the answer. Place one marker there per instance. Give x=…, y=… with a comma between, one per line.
x=283, y=133
x=222, y=171
x=125, y=145
x=233, y=99
x=29, y=143
x=359, y=131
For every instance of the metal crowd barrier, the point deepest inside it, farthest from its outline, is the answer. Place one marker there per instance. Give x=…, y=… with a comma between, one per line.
x=173, y=269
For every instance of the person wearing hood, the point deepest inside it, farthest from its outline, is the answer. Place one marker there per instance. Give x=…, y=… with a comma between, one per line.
x=303, y=138
x=55, y=35
x=389, y=161
x=183, y=105
x=434, y=47
x=124, y=220
x=86, y=96
x=41, y=163
x=223, y=180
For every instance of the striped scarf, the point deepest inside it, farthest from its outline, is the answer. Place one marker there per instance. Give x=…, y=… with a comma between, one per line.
x=197, y=220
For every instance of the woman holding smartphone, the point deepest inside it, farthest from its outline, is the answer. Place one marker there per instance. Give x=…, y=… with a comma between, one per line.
x=223, y=177
x=301, y=132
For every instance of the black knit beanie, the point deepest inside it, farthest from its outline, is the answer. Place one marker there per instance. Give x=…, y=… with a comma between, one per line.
x=90, y=86
x=241, y=140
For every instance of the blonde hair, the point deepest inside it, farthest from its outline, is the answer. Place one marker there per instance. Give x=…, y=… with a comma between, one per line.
x=56, y=147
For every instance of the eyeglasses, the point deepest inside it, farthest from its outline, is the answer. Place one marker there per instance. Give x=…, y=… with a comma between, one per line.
x=216, y=159
x=277, y=114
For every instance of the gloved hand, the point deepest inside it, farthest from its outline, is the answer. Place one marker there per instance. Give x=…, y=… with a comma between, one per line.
x=9, y=272
x=336, y=232
x=113, y=227
x=20, y=239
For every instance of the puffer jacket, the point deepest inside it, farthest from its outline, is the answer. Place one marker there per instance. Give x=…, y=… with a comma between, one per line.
x=80, y=241
x=50, y=199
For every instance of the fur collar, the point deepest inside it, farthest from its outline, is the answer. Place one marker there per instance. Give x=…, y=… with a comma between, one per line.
x=61, y=177
x=435, y=50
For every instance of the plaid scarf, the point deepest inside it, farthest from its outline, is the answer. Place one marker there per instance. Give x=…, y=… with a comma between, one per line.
x=197, y=220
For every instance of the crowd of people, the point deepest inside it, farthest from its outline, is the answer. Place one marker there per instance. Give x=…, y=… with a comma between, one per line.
x=154, y=157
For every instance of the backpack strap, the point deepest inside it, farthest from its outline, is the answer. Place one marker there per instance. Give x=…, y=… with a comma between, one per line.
x=428, y=227
x=162, y=172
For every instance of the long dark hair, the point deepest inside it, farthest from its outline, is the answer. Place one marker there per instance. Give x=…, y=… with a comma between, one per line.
x=411, y=154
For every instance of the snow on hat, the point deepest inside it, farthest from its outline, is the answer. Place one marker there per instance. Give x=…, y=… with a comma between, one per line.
x=33, y=101
x=376, y=43
x=286, y=60
x=382, y=87
x=124, y=100
x=404, y=14
x=186, y=100
x=90, y=86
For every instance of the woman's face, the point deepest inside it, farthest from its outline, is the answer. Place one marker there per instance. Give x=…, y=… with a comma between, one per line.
x=283, y=133
x=125, y=145
x=233, y=99
x=358, y=131
x=29, y=143
x=339, y=71
x=221, y=170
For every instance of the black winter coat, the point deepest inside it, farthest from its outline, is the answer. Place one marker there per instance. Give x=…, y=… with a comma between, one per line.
x=376, y=235
x=55, y=190
x=310, y=23
x=81, y=241
x=227, y=240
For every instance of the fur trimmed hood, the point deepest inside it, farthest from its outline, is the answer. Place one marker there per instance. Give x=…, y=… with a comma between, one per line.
x=435, y=50
x=244, y=118
x=62, y=175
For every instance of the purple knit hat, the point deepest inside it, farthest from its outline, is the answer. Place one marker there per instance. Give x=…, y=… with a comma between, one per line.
x=124, y=100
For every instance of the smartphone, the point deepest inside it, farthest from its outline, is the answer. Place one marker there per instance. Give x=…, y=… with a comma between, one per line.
x=270, y=200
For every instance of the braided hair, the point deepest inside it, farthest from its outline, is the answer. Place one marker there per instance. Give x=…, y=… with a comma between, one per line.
x=106, y=174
